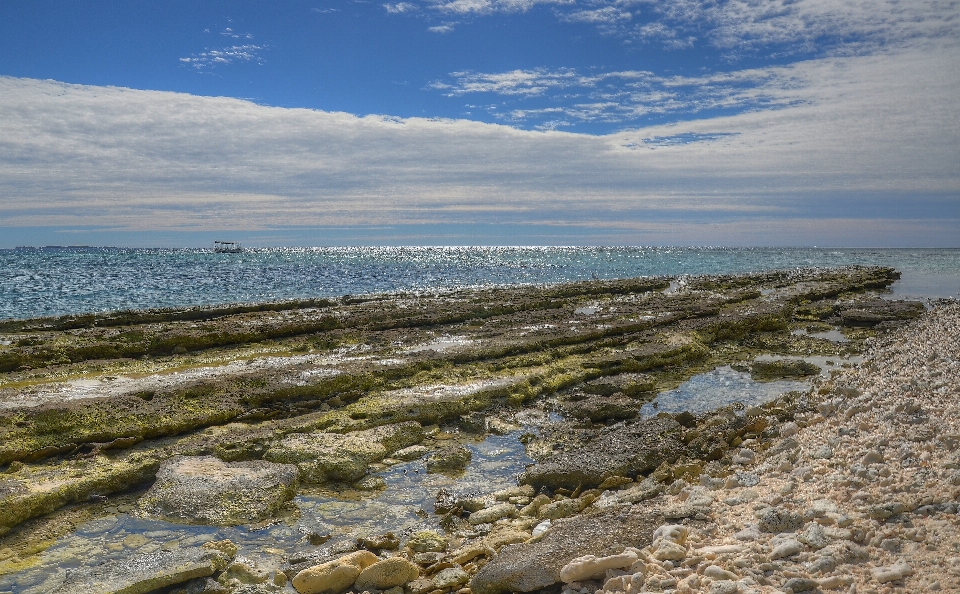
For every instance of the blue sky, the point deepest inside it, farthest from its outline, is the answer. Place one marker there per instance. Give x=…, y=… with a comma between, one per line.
x=769, y=122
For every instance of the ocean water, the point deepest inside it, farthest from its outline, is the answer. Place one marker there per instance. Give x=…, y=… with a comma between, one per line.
x=52, y=281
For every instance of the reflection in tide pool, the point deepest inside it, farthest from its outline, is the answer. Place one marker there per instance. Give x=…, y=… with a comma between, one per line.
x=834, y=335
x=409, y=489
x=407, y=501
x=123, y=536
x=720, y=387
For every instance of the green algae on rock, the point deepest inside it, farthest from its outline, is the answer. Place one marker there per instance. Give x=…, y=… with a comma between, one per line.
x=335, y=386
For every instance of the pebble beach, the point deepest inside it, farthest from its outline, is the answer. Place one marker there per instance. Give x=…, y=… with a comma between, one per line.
x=859, y=497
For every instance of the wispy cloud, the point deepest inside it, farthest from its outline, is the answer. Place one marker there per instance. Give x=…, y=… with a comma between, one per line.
x=401, y=8
x=516, y=82
x=444, y=28
x=228, y=32
x=223, y=56
x=625, y=96
x=736, y=27
x=849, y=130
x=607, y=15
x=482, y=7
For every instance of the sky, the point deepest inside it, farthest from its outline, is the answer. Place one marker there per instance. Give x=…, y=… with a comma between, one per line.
x=480, y=122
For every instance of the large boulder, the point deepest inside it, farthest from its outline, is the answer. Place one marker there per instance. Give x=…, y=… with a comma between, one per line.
x=527, y=567
x=382, y=575
x=626, y=449
x=335, y=457
x=334, y=576
x=143, y=573
x=207, y=490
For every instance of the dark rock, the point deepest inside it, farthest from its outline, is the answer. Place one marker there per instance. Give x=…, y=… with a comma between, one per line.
x=631, y=384
x=623, y=450
x=527, y=567
x=387, y=541
x=885, y=510
x=778, y=519
x=876, y=311
x=782, y=368
x=603, y=408
x=473, y=422
x=801, y=584
x=448, y=459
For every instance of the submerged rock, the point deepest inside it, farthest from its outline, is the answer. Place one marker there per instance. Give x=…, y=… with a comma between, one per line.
x=206, y=490
x=449, y=459
x=143, y=573
x=325, y=457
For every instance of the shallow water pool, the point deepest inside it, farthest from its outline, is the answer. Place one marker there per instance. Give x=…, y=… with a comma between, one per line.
x=719, y=387
x=405, y=504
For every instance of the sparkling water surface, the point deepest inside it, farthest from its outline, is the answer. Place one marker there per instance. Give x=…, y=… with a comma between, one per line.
x=54, y=281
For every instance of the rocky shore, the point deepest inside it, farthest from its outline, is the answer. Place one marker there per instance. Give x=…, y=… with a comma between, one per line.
x=170, y=431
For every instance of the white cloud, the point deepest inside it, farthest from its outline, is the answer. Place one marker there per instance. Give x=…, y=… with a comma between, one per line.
x=739, y=27
x=444, y=28
x=466, y=7
x=796, y=26
x=401, y=8
x=225, y=55
x=228, y=32
x=883, y=126
x=515, y=82
x=608, y=15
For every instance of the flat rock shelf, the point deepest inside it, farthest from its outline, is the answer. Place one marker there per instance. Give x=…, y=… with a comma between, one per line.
x=625, y=436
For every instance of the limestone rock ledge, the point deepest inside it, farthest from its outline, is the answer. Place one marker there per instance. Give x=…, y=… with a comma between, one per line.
x=207, y=490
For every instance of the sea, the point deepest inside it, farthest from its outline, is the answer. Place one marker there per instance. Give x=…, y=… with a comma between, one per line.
x=54, y=281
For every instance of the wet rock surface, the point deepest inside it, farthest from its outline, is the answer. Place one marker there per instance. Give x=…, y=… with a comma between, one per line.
x=347, y=393
x=206, y=490
x=626, y=449
x=530, y=567
x=142, y=573
x=879, y=311
x=335, y=457
x=848, y=522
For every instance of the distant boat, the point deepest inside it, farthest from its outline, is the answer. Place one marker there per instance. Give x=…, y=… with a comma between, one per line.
x=227, y=247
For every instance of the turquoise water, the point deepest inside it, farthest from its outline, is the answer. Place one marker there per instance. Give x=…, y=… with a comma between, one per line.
x=66, y=280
